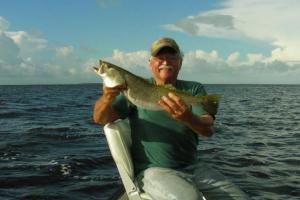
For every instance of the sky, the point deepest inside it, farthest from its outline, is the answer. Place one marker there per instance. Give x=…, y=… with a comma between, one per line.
x=224, y=42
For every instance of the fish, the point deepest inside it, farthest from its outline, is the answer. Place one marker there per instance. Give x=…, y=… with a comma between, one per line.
x=145, y=95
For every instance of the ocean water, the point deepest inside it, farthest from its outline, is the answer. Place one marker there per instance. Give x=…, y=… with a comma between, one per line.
x=51, y=149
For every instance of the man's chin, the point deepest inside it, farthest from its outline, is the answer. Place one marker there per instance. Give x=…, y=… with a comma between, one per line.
x=167, y=79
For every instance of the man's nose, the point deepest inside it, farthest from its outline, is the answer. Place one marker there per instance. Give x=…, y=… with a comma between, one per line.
x=165, y=60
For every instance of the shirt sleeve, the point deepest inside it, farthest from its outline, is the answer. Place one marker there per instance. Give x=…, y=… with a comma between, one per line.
x=122, y=106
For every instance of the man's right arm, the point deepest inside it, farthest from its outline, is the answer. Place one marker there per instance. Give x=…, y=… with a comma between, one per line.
x=103, y=110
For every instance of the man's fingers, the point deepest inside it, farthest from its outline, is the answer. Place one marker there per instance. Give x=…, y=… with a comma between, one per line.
x=170, y=102
x=179, y=103
x=111, y=93
x=120, y=87
x=174, y=97
x=116, y=89
x=165, y=106
x=172, y=107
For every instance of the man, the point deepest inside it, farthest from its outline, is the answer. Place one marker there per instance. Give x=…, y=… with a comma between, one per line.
x=164, y=143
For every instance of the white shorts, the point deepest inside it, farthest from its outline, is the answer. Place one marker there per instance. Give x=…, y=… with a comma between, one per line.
x=196, y=182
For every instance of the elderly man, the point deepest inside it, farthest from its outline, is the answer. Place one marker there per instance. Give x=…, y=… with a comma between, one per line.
x=164, y=143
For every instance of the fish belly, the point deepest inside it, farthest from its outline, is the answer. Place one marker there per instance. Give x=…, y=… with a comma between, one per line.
x=140, y=101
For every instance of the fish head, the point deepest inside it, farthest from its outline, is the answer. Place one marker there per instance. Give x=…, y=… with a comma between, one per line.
x=110, y=74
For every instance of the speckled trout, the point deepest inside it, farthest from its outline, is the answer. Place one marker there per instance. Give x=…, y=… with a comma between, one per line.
x=146, y=95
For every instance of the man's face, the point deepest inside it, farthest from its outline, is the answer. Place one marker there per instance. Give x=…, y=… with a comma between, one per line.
x=165, y=66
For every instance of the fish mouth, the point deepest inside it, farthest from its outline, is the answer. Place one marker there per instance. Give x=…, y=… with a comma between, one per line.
x=97, y=70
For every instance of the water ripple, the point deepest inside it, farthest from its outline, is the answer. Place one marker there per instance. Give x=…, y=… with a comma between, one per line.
x=51, y=149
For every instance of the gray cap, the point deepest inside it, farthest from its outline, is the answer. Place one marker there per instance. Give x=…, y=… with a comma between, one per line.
x=162, y=43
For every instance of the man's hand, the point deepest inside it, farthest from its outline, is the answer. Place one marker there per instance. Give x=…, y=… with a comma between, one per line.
x=173, y=105
x=109, y=94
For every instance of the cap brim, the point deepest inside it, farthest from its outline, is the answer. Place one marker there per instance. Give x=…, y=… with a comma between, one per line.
x=159, y=48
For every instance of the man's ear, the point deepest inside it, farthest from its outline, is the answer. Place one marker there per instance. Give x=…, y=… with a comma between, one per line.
x=180, y=63
x=149, y=60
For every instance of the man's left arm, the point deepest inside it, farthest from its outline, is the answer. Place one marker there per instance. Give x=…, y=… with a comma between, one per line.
x=202, y=125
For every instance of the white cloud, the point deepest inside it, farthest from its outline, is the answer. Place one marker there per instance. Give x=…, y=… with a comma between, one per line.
x=26, y=58
x=254, y=69
x=134, y=61
x=30, y=47
x=9, y=51
x=211, y=57
x=64, y=51
x=27, y=41
x=3, y=24
x=210, y=67
x=233, y=58
x=274, y=22
x=255, y=58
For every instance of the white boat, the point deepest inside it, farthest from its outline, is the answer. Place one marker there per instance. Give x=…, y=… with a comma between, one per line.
x=119, y=141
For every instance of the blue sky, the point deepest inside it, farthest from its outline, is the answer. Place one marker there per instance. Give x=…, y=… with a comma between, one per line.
x=229, y=41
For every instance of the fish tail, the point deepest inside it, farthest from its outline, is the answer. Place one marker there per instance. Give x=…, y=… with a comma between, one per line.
x=210, y=103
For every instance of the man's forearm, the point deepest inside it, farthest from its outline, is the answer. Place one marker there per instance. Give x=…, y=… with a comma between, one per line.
x=103, y=112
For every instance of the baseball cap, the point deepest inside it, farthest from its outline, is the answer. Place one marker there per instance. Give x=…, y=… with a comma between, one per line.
x=162, y=43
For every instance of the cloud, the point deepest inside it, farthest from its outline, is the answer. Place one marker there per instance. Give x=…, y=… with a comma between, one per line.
x=26, y=41
x=64, y=51
x=256, y=68
x=9, y=51
x=136, y=62
x=272, y=22
x=254, y=58
x=233, y=58
x=211, y=57
x=210, y=67
x=206, y=24
x=3, y=24
x=27, y=58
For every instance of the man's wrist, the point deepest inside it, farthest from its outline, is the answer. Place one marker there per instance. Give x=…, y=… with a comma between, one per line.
x=107, y=98
x=190, y=118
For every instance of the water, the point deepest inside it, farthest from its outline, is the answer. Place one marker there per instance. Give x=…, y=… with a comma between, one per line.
x=51, y=149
